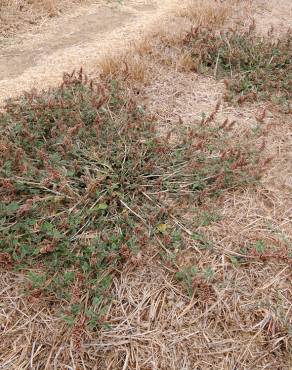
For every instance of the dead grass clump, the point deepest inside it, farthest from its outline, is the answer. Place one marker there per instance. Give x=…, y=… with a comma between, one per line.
x=132, y=68
x=232, y=324
x=186, y=63
x=51, y=7
x=19, y=15
x=206, y=13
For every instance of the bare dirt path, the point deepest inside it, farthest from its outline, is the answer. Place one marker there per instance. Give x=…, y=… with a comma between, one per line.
x=38, y=59
x=276, y=14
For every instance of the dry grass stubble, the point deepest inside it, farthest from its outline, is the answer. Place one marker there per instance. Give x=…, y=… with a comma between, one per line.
x=251, y=311
x=258, y=299
x=21, y=15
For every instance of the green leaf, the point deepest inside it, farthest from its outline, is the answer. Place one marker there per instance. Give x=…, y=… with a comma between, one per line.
x=75, y=309
x=209, y=273
x=96, y=300
x=37, y=280
x=12, y=207
x=260, y=246
x=102, y=206
x=106, y=326
x=193, y=270
x=69, y=320
x=234, y=261
x=69, y=277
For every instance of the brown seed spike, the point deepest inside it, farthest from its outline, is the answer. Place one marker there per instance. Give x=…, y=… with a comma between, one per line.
x=80, y=75
x=262, y=116
x=168, y=135
x=218, y=104
x=194, y=31
x=267, y=160
x=241, y=99
x=263, y=145
x=230, y=126
x=223, y=125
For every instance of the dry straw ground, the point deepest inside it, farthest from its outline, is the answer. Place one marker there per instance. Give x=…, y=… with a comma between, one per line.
x=21, y=15
x=219, y=299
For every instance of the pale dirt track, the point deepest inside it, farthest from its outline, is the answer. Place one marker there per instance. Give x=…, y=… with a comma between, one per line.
x=39, y=58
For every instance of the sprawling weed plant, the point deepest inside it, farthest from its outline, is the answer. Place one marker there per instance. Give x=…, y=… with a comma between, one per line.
x=253, y=67
x=87, y=184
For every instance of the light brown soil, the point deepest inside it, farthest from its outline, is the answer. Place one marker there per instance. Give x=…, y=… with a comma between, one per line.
x=22, y=15
x=37, y=59
x=276, y=14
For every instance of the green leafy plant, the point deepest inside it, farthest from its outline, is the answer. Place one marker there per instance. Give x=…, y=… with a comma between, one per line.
x=253, y=67
x=186, y=276
x=87, y=182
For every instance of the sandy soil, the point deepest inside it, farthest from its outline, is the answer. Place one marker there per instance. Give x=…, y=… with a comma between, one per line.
x=38, y=58
x=276, y=14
